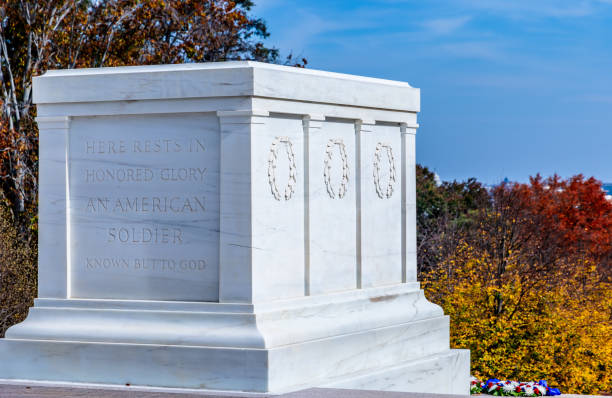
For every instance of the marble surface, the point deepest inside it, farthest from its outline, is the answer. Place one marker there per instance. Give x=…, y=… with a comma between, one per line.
x=381, y=205
x=244, y=218
x=223, y=79
x=332, y=206
x=277, y=205
x=53, y=227
x=442, y=373
x=246, y=348
x=144, y=207
x=256, y=326
x=229, y=227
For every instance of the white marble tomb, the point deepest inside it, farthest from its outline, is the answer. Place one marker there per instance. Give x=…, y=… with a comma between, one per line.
x=230, y=226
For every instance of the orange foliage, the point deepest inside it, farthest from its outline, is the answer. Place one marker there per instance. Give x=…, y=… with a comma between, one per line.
x=574, y=212
x=527, y=283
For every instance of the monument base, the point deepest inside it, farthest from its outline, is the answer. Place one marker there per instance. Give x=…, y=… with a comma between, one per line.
x=388, y=338
x=443, y=373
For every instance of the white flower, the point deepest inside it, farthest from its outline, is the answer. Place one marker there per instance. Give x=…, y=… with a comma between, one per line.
x=542, y=389
x=529, y=391
x=508, y=387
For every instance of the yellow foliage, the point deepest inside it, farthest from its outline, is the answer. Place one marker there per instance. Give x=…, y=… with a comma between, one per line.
x=561, y=332
x=18, y=272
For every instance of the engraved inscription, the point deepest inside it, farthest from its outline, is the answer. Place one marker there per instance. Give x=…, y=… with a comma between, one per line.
x=327, y=169
x=99, y=175
x=147, y=204
x=151, y=235
x=114, y=147
x=144, y=207
x=148, y=234
x=285, y=143
x=384, y=192
x=144, y=264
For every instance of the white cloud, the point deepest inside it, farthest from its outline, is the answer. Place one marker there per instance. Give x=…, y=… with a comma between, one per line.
x=444, y=26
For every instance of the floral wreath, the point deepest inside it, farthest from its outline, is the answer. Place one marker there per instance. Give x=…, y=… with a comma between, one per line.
x=290, y=188
x=384, y=193
x=512, y=388
x=328, y=166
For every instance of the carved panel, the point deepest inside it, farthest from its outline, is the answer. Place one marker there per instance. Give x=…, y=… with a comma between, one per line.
x=382, y=148
x=331, y=145
x=284, y=142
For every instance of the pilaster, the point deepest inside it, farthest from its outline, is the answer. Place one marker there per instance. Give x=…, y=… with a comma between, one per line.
x=312, y=124
x=409, y=233
x=53, y=213
x=362, y=127
x=235, y=241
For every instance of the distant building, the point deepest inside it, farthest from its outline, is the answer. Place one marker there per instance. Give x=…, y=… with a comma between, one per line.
x=607, y=187
x=437, y=179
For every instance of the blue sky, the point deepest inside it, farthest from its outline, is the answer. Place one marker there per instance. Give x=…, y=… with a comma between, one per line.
x=509, y=88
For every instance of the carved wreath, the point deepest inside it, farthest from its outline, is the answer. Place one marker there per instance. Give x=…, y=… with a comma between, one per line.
x=274, y=148
x=388, y=192
x=331, y=144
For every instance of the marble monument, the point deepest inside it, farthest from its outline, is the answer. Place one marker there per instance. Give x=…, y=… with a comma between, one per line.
x=231, y=226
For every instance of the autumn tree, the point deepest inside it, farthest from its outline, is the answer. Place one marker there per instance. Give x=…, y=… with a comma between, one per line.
x=443, y=211
x=572, y=218
x=18, y=283
x=560, y=333
x=526, y=283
